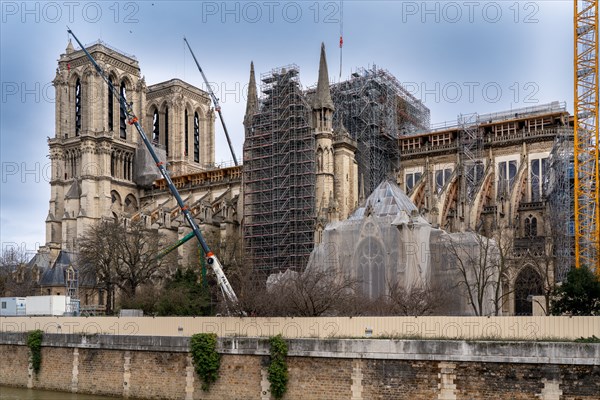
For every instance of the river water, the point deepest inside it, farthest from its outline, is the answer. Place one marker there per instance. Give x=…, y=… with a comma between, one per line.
x=9, y=393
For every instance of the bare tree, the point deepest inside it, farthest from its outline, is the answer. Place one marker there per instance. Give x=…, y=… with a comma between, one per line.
x=137, y=253
x=251, y=289
x=17, y=278
x=13, y=256
x=504, y=262
x=119, y=257
x=476, y=258
x=98, y=258
x=314, y=293
x=416, y=300
x=4, y=277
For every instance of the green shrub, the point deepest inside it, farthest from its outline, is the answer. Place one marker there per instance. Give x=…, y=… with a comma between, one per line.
x=278, y=370
x=205, y=358
x=34, y=342
x=579, y=294
x=591, y=339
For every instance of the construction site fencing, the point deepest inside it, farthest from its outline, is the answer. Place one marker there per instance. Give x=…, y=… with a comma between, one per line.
x=496, y=328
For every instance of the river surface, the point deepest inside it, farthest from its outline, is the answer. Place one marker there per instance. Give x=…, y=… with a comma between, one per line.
x=9, y=393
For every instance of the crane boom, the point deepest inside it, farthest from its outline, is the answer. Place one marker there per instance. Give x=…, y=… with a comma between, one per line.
x=586, y=147
x=215, y=102
x=175, y=245
x=211, y=259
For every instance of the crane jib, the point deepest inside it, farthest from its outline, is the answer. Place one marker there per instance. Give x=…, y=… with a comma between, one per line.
x=215, y=102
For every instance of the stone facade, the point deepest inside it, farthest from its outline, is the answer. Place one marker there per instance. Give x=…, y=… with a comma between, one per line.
x=318, y=369
x=98, y=164
x=508, y=197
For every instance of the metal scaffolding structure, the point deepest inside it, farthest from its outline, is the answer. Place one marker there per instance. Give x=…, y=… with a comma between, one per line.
x=279, y=176
x=559, y=189
x=376, y=109
x=470, y=155
x=72, y=289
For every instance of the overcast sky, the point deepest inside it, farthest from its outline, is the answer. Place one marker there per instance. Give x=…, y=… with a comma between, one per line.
x=458, y=57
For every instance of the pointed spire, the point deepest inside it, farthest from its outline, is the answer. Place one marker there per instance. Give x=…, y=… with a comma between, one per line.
x=342, y=129
x=252, y=102
x=323, y=95
x=70, y=47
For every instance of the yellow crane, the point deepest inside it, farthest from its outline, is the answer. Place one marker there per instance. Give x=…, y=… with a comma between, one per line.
x=586, y=147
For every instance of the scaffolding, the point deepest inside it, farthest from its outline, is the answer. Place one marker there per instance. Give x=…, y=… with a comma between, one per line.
x=470, y=156
x=279, y=176
x=559, y=189
x=72, y=289
x=376, y=109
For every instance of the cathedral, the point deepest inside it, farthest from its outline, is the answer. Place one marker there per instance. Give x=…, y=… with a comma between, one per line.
x=100, y=168
x=311, y=158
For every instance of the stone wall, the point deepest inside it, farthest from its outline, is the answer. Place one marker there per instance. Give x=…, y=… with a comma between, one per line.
x=161, y=368
x=14, y=365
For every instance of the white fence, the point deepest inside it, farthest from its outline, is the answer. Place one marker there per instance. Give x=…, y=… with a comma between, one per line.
x=504, y=328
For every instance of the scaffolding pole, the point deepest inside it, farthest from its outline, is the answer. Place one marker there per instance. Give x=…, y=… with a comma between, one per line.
x=559, y=189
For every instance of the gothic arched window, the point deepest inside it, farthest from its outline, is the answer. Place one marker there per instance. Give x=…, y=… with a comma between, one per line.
x=167, y=130
x=186, y=133
x=77, y=107
x=196, y=138
x=110, y=105
x=527, y=285
x=122, y=115
x=370, y=256
x=534, y=226
x=155, y=127
x=530, y=226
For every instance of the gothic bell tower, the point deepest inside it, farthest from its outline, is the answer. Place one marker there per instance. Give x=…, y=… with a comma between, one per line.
x=93, y=149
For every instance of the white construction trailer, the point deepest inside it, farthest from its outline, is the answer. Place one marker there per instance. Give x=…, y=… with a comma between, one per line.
x=12, y=306
x=47, y=305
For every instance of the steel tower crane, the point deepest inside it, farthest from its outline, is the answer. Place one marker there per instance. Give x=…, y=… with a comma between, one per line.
x=211, y=259
x=215, y=102
x=586, y=151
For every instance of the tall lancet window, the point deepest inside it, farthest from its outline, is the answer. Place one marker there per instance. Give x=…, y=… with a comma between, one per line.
x=155, y=127
x=77, y=107
x=186, y=133
x=122, y=115
x=167, y=130
x=110, y=105
x=196, y=138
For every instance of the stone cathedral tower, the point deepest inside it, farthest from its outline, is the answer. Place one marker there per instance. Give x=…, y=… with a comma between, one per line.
x=100, y=168
x=323, y=124
x=337, y=171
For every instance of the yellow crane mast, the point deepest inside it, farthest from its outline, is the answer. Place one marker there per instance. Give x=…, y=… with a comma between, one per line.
x=586, y=151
